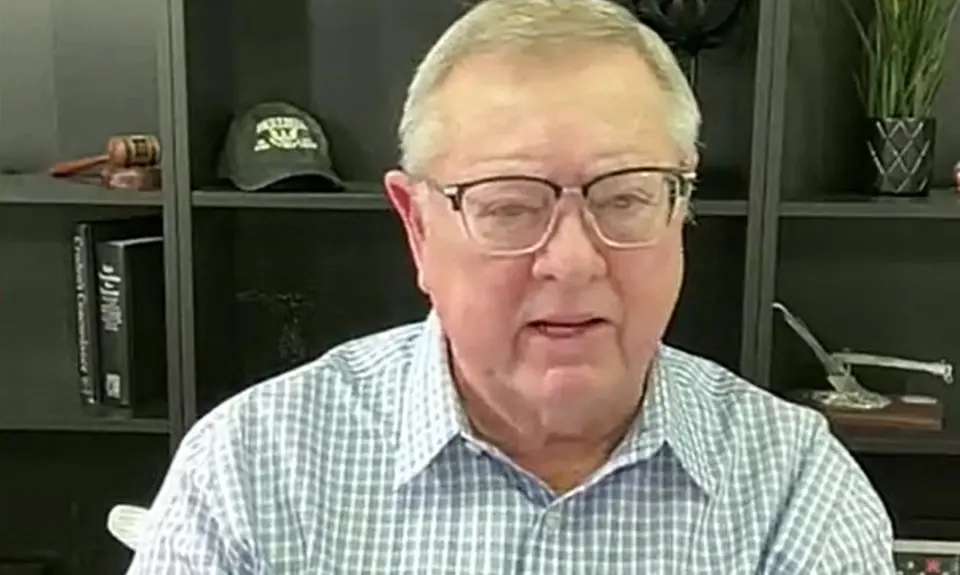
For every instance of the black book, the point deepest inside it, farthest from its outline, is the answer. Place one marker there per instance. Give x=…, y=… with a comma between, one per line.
x=86, y=236
x=133, y=356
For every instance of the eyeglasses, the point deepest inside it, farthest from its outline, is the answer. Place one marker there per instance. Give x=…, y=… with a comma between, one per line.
x=516, y=215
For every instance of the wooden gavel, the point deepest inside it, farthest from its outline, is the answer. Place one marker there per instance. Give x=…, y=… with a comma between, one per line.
x=128, y=151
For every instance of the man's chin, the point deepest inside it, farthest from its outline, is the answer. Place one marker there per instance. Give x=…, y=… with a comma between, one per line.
x=560, y=384
x=571, y=399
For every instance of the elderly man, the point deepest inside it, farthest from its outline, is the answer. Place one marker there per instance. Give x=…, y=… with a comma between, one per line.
x=533, y=422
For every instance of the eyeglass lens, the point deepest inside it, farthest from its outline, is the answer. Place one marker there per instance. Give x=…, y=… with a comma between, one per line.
x=516, y=213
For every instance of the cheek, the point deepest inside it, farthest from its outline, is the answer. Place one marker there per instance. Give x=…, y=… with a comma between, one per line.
x=478, y=299
x=648, y=283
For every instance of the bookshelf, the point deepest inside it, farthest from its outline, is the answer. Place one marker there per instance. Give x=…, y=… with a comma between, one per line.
x=258, y=282
x=864, y=273
x=82, y=73
x=39, y=189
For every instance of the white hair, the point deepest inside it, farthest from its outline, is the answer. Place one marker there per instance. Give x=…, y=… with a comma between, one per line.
x=519, y=26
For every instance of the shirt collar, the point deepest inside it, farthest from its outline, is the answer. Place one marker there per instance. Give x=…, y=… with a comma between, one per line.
x=430, y=414
x=677, y=418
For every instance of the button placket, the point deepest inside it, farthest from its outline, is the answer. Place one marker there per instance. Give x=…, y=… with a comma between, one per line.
x=552, y=519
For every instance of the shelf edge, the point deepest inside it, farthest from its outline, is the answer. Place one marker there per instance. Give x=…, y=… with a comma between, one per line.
x=94, y=425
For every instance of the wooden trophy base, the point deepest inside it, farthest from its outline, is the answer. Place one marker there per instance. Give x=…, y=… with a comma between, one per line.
x=904, y=412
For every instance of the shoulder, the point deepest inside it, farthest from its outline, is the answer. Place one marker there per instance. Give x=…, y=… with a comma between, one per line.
x=782, y=459
x=347, y=393
x=757, y=440
x=742, y=412
x=258, y=463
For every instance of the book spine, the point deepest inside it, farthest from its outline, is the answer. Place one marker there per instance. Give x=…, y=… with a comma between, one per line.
x=85, y=277
x=113, y=305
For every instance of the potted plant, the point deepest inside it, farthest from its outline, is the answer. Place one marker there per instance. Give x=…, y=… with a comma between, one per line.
x=904, y=44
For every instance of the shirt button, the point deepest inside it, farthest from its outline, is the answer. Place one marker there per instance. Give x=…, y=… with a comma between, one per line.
x=552, y=520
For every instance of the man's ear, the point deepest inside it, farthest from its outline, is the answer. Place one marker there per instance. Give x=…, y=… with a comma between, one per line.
x=401, y=190
x=691, y=161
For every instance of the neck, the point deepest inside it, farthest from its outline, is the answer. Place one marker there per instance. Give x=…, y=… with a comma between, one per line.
x=560, y=450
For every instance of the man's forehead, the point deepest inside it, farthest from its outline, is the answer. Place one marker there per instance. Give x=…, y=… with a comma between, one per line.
x=590, y=67
x=604, y=104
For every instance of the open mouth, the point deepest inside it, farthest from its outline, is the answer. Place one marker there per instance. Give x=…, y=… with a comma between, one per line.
x=566, y=329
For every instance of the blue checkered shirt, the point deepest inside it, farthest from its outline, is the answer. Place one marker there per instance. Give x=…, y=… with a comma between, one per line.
x=361, y=463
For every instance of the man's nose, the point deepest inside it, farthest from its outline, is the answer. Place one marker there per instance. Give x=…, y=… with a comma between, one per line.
x=572, y=253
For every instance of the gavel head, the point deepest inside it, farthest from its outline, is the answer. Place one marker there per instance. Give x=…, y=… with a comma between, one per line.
x=133, y=150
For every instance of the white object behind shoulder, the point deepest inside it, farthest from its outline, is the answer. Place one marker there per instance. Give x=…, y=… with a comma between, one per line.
x=125, y=522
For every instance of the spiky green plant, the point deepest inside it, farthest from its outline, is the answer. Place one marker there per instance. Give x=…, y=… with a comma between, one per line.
x=904, y=45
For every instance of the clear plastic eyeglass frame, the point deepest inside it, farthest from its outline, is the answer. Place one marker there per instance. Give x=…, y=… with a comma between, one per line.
x=679, y=183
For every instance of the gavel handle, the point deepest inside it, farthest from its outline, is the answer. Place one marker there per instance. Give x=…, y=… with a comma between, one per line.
x=71, y=167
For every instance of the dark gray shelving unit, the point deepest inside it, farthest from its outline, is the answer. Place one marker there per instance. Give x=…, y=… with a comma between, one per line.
x=370, y=196
x=83, y=424
x=259, y=282
x=356, y=196
x=83, y=72
x=867, y=274
x=943, y=204
x=38, y=189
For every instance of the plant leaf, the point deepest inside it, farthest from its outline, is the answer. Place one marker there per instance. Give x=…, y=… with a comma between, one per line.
x=904, y=45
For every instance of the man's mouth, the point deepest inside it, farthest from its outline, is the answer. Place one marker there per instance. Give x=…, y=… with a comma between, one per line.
x=563, y=328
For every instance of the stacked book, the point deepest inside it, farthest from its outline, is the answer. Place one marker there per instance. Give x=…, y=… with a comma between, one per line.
x=121, y=341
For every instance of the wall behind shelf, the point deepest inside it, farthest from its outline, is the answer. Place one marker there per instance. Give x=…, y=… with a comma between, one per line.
x=38, y=352
x=72, y=75
x=873, y=286
x=881, y=286
x=350, y=63
x=708, y=317
x=823, y=141
x=918, y=492
x=247, y=260
x=59, y=487
x=871, y=283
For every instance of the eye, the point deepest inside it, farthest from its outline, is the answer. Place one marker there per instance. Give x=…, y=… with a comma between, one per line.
x=502, y=210
x=507, y=199
x=629, y=200
x=622, y=201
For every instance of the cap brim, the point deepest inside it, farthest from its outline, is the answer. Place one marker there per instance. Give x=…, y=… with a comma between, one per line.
x=272, y=177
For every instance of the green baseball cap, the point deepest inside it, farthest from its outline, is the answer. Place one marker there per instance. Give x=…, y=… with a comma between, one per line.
x=273, y=142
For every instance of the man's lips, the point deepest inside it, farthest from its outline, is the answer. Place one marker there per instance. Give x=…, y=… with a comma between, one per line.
x=567, y=327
